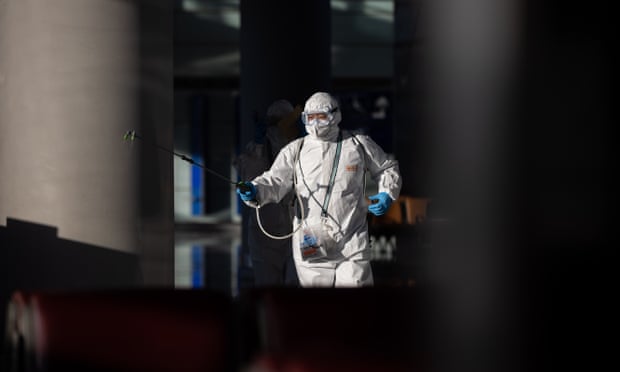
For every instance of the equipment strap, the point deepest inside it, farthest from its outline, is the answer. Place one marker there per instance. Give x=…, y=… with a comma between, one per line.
x=332, y=178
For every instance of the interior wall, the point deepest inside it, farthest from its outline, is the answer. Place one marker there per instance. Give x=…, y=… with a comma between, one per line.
x=80, y=207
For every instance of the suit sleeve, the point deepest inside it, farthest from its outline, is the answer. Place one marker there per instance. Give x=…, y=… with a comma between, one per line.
x=383, y=170
x=276, y=182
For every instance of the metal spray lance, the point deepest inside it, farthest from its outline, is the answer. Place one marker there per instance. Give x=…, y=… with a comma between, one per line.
x=131, y=136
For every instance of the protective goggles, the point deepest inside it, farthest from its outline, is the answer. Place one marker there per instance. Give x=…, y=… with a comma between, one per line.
x=320, y=118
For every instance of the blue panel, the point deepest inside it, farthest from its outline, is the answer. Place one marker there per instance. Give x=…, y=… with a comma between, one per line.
x=197, y=267
x=197, y=187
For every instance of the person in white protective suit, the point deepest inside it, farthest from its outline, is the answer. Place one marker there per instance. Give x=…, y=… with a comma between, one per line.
x=327, y=169
x=272, y=261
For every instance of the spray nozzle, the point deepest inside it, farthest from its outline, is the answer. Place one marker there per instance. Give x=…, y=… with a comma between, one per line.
x=130, y=135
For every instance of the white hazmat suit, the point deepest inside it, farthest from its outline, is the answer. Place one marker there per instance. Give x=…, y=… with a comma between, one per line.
x=334, y=206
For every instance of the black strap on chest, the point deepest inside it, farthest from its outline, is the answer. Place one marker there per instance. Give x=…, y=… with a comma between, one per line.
x=332, y=177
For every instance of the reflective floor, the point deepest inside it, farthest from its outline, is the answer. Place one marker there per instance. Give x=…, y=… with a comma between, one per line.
x=207, y=255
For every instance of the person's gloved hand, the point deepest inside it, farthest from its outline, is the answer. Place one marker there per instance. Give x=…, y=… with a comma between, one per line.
x=382, y=205
x=246, y=190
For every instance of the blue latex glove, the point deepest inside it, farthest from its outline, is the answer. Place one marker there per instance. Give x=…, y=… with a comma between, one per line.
x=382, y=205
x=246, y=190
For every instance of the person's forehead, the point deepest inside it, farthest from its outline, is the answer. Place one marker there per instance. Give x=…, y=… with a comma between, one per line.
x=318, y=110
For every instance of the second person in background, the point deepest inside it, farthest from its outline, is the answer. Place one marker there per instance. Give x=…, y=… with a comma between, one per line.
x=272, y=260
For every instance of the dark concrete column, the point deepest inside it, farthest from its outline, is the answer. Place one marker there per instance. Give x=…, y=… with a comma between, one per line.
x=156, y=187
x=411, y=127
x=285, y=53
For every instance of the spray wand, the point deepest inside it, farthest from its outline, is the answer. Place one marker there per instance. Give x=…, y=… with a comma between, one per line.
x=131, y=136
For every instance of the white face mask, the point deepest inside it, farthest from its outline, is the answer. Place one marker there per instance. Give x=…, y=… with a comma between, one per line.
x=321, y=131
